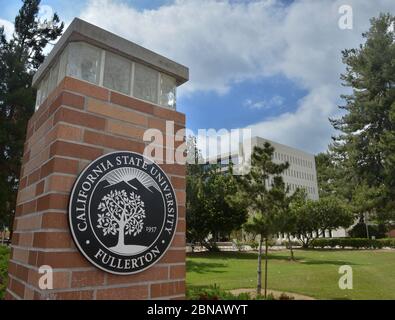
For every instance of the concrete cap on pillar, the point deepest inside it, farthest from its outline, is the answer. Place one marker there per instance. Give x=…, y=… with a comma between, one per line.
x=80, y=30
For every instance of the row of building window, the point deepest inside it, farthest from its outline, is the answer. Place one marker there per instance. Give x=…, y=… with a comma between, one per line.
x=85, y=62
x=293, y=159
x=299, y=174
x=294, y=186
x=227, y=160
x=314, y=234
x=224, y=162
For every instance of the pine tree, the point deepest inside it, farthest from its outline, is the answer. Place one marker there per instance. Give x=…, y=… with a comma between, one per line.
x=19, y=59
x=264, y=199
x=364, y=152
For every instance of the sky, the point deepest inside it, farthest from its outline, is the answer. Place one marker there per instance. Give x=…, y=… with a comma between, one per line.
x=272, y=66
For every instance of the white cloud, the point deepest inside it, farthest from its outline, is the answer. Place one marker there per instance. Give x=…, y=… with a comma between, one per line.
x=45, y=12
x=228, y=42
x=221, y=43
x=275, y=101
x=307, y=127
x=8, y=27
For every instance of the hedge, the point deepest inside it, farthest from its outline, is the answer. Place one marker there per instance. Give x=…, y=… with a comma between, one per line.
x=355, y=243
x=388, y=242
x=4, y=256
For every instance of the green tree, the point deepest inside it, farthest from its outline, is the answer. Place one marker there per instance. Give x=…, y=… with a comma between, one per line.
x=365, y=201
x=315, y=217
x=196, y=215
x=288, y=219
x=225, y=216
x=329, y=176
x=211, y=207
x=264, y=201
x=19, y=59
x=364, y=151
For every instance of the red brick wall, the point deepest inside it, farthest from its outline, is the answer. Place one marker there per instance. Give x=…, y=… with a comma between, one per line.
x=76, y=124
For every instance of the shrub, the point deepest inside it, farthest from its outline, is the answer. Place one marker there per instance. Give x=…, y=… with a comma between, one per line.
x=359, y=231
x=284, y=296
x=4, y=256
x=388, y=242
x=254, y=245
x=214, y=292
x=269, y=296
x=355, y=243
x=239, y=245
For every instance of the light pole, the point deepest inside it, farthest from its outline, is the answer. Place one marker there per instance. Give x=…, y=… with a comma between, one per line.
x=366, y=224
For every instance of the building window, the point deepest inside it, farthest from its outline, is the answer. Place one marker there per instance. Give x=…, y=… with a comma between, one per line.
x=53, y=77
x=42, y=91
x=63, y=64
x=168, y=88
x=39, y=95
x=117, y=71
x=84, y=62
x=145, y=83
x=224, y=161
x=235, y=160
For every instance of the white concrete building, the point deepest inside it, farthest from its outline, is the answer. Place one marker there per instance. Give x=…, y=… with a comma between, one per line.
x=301, y=173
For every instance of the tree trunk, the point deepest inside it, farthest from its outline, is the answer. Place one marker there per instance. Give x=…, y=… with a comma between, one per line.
x=259, y=285
x=121, y=235
x=266, y=250
x=290, y=248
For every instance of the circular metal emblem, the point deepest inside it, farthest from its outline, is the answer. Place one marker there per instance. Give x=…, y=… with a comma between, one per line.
x=123, y=212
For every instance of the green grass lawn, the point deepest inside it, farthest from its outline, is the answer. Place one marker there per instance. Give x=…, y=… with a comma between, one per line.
x=315, y=273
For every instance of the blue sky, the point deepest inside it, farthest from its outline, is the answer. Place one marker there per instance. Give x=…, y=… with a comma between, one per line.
x=269, y=65
x=232, y=110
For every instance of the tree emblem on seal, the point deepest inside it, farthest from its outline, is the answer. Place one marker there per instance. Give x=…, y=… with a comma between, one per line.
x=121, y=213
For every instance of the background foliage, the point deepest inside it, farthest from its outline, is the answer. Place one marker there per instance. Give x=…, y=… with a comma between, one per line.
x=4, y=256
x=19, y=59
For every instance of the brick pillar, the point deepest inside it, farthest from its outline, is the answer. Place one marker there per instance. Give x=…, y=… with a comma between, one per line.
x=76, y=124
